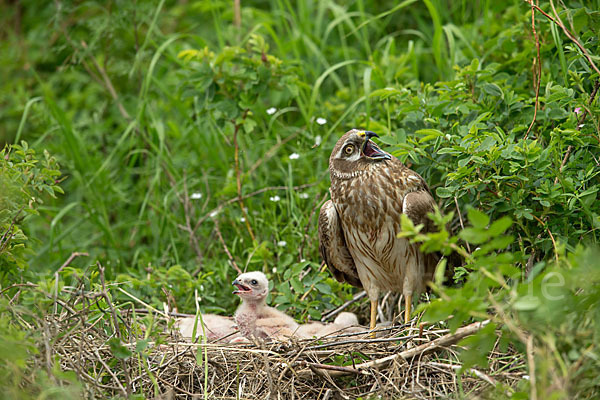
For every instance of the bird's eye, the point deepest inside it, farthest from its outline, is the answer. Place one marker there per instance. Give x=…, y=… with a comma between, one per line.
x=349, y=149
x=254, y=281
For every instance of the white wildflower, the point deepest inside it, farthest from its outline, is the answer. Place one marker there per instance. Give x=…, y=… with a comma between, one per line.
x=282, y=243
x=318, y=140
x=581, y=126
x=242, y=219
x=303, y=195
x=271, y=111
x=294, y=156
x=213, y=214
x=303, y=260
x=275, y=198
x=196, y=196
x=321, y=121
x=274, y=270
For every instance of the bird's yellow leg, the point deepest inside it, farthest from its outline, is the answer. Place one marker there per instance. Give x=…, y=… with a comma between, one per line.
x=407, y=304
x=373, y=316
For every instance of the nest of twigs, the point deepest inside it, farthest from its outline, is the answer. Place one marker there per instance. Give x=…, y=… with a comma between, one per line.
x=116, y=351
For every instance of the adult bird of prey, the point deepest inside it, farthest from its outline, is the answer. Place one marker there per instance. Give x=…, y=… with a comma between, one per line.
x=358, y=227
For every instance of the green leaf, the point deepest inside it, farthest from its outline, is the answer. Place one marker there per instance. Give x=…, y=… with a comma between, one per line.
x=493, y=90
x=429, y=134
x=527, y=303
x=500, y=226
x=141, y=345
x=477, y=218
x=118, y=349
x=478, y=347
x=473, y=235
x=443, y=192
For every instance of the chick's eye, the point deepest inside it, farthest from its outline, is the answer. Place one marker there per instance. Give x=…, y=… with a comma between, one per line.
x=349, y=149
x=254, y=281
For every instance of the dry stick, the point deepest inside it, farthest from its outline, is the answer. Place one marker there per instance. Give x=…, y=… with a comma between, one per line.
x=237, y=14
x=346, y=370
x=551, y=237
x=110, y=371
x=46, y=337
x=65, y=264
x=15, y=285
x=341, y=308
x=462, y=224
x=473, y=371
x=562, y=26
x=537, y=70
x=148, y=306
x=423, y=349
x=229, y=256
x=366, y=341
x=531, y=362
x=115, y=325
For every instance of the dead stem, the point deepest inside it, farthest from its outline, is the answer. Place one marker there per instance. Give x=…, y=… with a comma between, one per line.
x=229, y=256
x=537, y=70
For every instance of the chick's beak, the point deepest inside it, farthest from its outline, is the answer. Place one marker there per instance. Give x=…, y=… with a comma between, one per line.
x=241, y=288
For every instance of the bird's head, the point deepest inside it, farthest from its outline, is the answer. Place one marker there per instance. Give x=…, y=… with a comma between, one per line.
x=356, y=151
x=251, y=286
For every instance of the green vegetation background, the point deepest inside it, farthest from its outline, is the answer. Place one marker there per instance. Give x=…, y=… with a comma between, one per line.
x=159, y=133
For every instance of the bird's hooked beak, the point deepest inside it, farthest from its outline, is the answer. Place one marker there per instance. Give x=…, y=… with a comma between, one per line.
x=241, y=288
x=370, y=149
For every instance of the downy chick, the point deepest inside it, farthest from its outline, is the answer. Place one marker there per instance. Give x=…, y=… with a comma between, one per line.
x=254, y=317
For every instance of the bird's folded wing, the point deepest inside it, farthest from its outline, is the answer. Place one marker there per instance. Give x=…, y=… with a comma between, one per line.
x=416, y=205
x=332, y=246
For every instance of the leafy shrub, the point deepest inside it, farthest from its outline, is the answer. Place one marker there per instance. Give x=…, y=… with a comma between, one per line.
x=24, y=180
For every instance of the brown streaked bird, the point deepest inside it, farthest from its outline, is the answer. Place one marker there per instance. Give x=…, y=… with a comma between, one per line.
x=358, y=227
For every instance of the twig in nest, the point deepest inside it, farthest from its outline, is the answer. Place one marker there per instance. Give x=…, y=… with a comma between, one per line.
x=116, y=327
x=65, y=264
x=341, y=308
x=229, y=256
x=148, y=306
x=423, y=349
x=473, y=371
